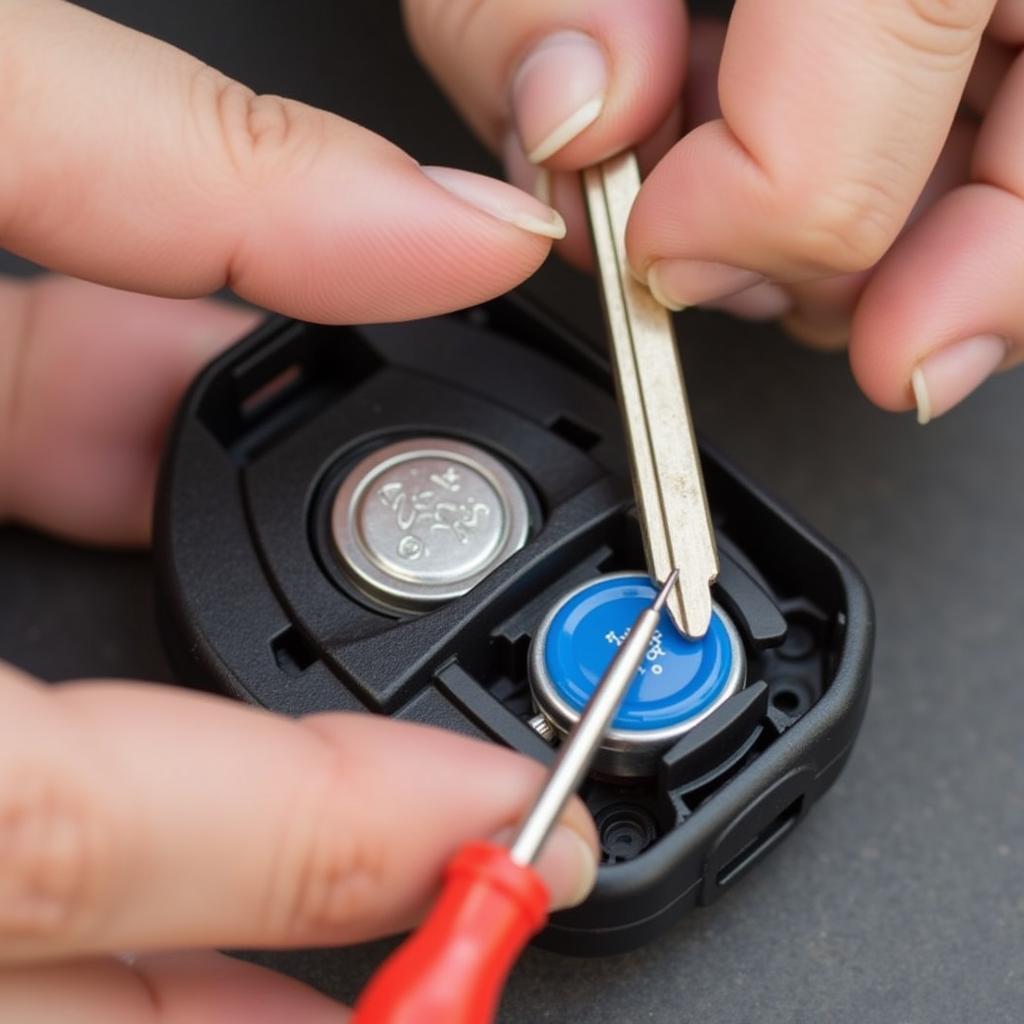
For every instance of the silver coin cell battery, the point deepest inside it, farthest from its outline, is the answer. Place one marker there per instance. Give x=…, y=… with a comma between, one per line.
x=420, y=522
x=679, y=684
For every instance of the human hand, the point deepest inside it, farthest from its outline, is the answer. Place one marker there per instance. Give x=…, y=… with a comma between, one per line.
x=129, y=163
x=858, y=172
x=137, y=818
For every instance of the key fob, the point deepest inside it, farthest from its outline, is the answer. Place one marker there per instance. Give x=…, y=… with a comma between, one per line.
x=434, y=521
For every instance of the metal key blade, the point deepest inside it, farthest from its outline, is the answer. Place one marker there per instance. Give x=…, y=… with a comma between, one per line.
x=667, y=477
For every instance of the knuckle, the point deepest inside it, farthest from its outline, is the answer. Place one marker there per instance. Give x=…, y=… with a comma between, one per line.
x=260, y=137
x=947, y=14
x=845, y=230
x=56, y=851
x=946, y=30
x=330, y=873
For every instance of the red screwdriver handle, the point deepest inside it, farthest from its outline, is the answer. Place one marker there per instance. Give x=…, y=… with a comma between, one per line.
x=452, y=970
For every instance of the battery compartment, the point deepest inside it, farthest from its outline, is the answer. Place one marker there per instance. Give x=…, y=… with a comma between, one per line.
x=785, y=678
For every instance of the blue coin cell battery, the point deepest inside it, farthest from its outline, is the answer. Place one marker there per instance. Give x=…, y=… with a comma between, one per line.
x=680, y=682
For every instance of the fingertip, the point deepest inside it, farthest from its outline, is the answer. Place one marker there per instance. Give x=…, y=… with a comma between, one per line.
x=707, y=201
x=558, y=189
x=602, y=81
x=372, y=237
x=677, y=283
x=882, y=370
x=945, y=377
x=919, y=387
x=568, y=865
x=935, y=318
x=501, y=200
x=568, y=860
x=578, y=79
x=558, y=91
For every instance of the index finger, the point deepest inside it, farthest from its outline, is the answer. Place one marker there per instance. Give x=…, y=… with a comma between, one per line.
x=577, y=80
x=834, y=114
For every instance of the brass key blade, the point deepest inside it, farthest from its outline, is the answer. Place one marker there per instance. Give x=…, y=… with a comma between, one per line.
x=667, y=476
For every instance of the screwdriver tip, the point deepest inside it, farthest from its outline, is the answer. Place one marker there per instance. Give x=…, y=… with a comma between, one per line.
x=666, y=590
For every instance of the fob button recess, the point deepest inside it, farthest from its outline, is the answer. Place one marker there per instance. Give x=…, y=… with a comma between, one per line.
x=679, y=684
x=420, y=522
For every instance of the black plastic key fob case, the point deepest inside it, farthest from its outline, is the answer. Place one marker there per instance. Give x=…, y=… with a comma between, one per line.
x=434, y=521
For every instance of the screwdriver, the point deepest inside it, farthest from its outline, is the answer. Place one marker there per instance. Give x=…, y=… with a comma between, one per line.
x=451, y=971
x=667, y=478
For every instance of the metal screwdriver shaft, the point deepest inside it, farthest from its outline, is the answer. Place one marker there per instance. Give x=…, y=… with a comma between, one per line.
x=667, y=476
x=577, y=753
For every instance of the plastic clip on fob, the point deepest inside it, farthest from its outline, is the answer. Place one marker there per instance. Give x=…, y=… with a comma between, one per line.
x=452, y=970
x=667, y=476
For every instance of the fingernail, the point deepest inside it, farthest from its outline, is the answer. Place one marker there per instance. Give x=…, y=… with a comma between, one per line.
x=765, y=301
x=567, y=863
x=946, y=377
x=500, y=200
x=521, y=173
x=680, y=283
x=558, y=91
x=542, y=185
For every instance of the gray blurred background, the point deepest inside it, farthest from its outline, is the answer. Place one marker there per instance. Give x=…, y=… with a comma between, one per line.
x=901, y=898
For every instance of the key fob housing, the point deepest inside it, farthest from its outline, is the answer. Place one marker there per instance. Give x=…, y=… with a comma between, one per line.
x=255, y=601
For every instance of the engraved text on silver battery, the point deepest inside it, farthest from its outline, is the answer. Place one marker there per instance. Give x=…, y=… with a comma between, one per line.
x=438, y=508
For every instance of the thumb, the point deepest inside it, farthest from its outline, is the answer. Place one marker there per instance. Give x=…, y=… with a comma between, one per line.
x=149, y=818
x=135, y=165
